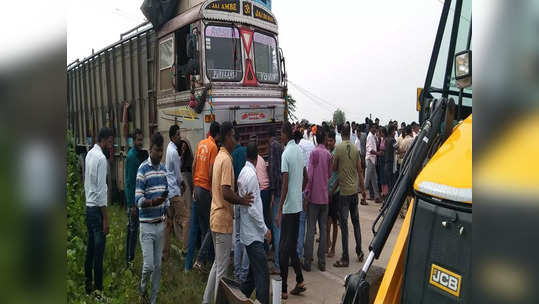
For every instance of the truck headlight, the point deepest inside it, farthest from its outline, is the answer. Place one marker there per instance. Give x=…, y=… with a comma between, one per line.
x=463, y=69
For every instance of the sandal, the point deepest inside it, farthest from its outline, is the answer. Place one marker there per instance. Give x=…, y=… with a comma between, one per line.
x=360, y=257
x=340, y=264
x=275, y=271
x=297, y=290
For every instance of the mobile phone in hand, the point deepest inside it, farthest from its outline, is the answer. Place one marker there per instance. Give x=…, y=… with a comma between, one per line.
x=165, y=194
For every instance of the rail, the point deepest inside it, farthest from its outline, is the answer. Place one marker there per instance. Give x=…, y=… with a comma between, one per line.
x=111, y=46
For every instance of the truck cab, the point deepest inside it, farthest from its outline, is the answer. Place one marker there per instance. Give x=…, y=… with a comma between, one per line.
x=220, y=61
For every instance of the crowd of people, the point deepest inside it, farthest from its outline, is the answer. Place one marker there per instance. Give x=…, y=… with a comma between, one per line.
x=266, y=211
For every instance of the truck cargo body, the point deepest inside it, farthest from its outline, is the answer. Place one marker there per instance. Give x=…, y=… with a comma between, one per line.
x=217, y=60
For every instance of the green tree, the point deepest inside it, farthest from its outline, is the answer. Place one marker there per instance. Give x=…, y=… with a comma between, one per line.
x=339, y=117
x=291, y=108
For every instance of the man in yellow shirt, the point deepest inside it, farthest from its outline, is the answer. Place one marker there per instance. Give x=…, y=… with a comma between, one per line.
x=221, y=214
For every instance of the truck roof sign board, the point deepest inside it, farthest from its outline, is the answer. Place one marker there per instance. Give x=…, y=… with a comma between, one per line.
x=231, y=6
x=263, y=15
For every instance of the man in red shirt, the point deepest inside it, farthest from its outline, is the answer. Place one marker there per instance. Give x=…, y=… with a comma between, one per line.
x=316, y=198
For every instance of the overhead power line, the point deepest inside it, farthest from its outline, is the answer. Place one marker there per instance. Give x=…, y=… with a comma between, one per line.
x=318, y=100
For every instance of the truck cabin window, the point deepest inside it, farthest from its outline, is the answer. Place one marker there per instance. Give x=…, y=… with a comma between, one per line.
x=223, y=53
x=186, y=57
x=266, y=62
x=166, y=61
x=166, y=54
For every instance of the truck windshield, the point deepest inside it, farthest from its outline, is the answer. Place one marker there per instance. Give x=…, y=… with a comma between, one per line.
x=266, y=62
x=223, y=53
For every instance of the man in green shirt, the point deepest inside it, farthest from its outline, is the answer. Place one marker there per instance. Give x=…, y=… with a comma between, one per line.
x=134, y=158
x=347, y=163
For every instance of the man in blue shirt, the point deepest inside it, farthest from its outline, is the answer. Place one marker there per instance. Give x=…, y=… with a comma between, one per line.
x=132, y=162
x=151, y=198
x=290, y=206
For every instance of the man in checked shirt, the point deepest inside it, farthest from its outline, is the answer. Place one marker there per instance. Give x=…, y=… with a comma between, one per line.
x=151, y=199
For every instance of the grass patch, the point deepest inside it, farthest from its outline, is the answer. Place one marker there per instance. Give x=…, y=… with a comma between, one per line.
x=120, y=284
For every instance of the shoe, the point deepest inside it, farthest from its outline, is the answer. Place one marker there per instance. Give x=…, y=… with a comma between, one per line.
x=202, y=269
x=144, y=299
x=361, y=256
x=306, y=267
x=364, y=202
x=340, y=264
x=378, y=201
x=322, y=267
x=98, y=296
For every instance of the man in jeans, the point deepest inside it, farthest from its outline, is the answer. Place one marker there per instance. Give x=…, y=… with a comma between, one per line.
x=223, y=197
x=316, y=198
x=151, y=198
x=241, y=261
x=263, y=181
x=178, y=213
x=348, y=165
x=290, y=207
x=95, y=189
x=134, y=158
x=253, y=229
x=275, y=152
x=371, y=178
x=307, y=146
x=202, y=174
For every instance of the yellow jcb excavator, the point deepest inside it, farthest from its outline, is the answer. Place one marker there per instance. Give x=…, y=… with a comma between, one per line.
x=431, y=259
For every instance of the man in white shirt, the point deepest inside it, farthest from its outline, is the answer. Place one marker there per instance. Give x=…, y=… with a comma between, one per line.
x=338, y=137
x=178, y=212
x=415, y=129
x=253, y=230
x=95, y=188
x=353, y=134
x=371, y=177
x=307, y=146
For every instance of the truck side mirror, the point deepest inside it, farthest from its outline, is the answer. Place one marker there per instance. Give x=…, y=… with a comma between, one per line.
x=283, y=65
x=463, y=69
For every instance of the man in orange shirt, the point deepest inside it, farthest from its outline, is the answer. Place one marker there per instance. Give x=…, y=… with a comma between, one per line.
x=200, y=209
x=223, y=197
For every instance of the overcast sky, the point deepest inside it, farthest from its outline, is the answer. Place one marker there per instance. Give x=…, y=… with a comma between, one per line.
x=365, y=57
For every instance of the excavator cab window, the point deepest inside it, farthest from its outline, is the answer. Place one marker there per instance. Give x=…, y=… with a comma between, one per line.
x=454, y=37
